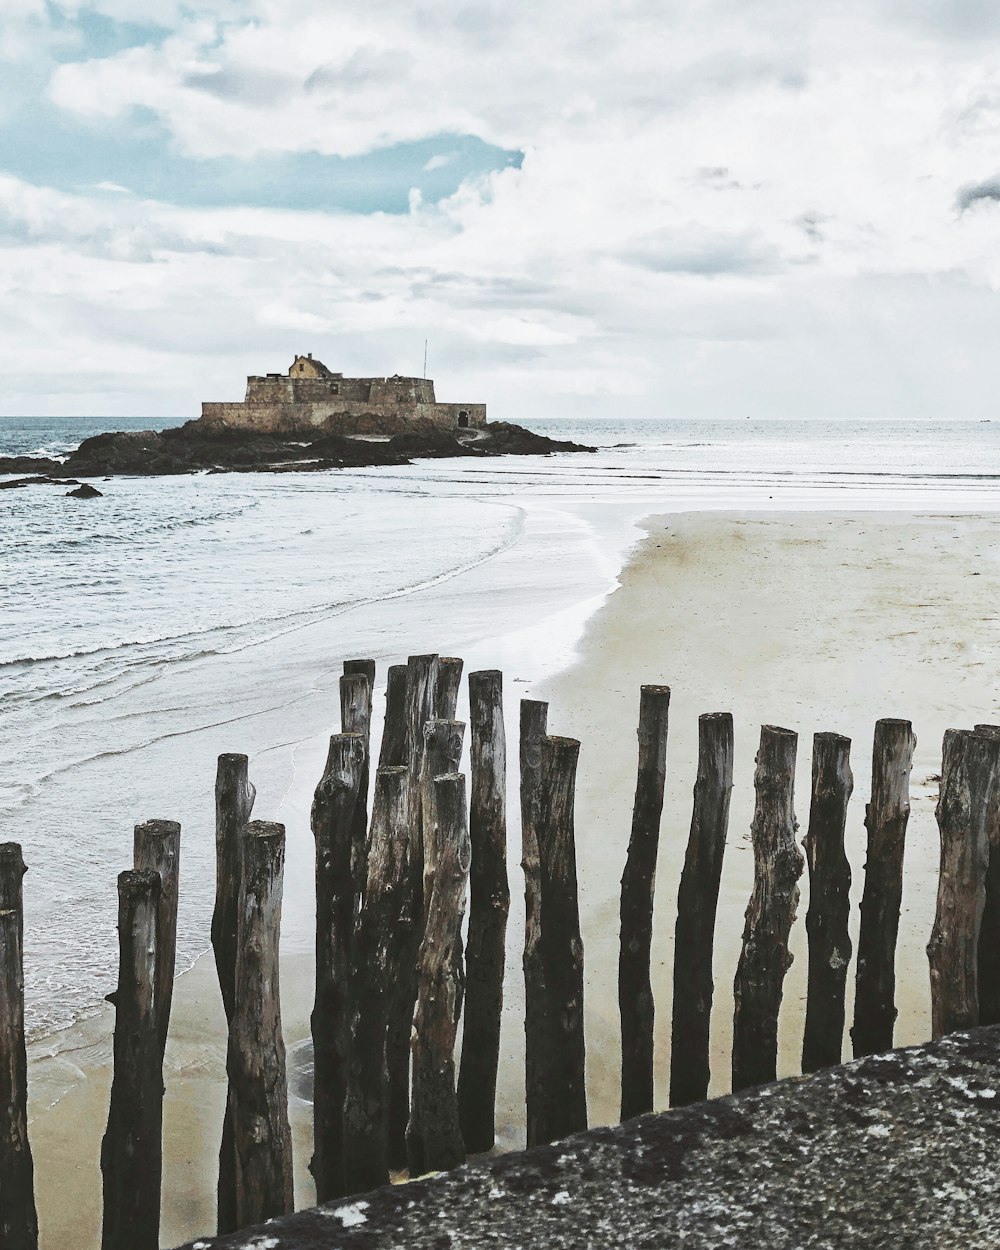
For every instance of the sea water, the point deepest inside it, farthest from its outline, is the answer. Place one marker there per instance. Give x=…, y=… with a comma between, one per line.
x=146, y=632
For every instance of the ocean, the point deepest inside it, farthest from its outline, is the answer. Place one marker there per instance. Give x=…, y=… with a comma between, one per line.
x=146, y=632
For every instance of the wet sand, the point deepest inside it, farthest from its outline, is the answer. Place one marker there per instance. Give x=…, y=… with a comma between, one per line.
x=812, y=621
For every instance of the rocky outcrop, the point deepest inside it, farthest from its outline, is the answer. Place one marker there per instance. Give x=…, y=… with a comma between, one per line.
x=897, y=1150
x=86, y=491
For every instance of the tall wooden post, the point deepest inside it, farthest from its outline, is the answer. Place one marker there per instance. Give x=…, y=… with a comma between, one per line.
x=234, y=796
x=968, y=785
x=449, y=682
x=335, y=831
x=829, y=901
x=421, y=684
x=132, y=1151
x=561, y=943
x=366, y=1111
x=635, y=991
x=765, y=957
x=442, y=753
x=433, y=1137
x=18, y=1220
x=393, y=749
x=157, y=846
x=886, y=818
x=534, y=716
x=489, y=903
x=356, y=718
x=697, y=902
x=989, y=930
x=258, y=1086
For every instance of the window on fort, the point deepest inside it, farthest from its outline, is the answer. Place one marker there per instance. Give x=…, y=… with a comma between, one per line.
x=463, y=420
x=302, y=368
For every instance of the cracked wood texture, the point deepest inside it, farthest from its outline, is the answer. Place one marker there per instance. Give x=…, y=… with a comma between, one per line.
x=433, y=1136
x=532, y=733
x=829, y=901
x=886, y=817
x=968, y=784
x=356, y=718
x=393, y=749
x=765, y=957
x=18, y=1219
x=989, y=930
x=564, y=1050
x=338, y=859
x=489, y=903
x=132, y=1152
x=697, y=903
x=635, y=992
x=418, y=709
x=449, y=683
x=366, y=1110
x=234, y=796
x=255, y=1063
x=157, y=845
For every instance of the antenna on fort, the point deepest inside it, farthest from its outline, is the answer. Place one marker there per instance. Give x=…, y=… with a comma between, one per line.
x=425, y=358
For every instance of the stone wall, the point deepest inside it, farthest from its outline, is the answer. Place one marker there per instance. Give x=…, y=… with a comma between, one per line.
x=897, y=1150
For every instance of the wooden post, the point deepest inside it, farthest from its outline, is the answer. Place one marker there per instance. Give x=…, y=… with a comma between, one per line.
x=449, y=682
x=442, y=753
x=157, y=845
x=258, y=1088
x=561, y=943
x=534, y=716
x=489, y=903
x=765, y=957
x=393, y=749
x=335, y=831
x=421, y=683
x=132, y=1151
x=886, y=817
x=18, y=1220
x=989, y=930
x=697, y=901
x=635, y=992
x=375, y=966
x=234, y=796
x=964, y=807
x=829, y=901
x=434, y=1137
x=356, y=718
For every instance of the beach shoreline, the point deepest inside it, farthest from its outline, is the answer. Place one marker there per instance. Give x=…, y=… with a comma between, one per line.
x=722, y=606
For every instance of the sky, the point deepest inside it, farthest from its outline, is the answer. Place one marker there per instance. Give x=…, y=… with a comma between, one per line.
x=649, y=208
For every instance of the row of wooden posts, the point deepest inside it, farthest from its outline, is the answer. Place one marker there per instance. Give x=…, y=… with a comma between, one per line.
x=393, y=979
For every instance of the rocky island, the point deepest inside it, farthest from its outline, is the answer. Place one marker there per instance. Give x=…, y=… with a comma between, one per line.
x=309, y=419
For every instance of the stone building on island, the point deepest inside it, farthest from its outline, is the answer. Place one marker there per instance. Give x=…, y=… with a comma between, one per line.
x=312, y=399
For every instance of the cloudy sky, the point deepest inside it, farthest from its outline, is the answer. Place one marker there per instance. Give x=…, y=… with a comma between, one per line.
x=699, y=208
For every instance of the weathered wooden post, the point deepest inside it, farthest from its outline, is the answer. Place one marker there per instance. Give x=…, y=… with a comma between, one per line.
x=234, y=796
x=132, y=1150
x=532, y=733
x=434, y=1137
x=366, y=1111
x=561, y=943
x=356, y=717
x=421, y=684
x=635, y=992
x=489, y=903
x=18, y=1220
x=258, y=1087
x=442, y=753
x=989, y=930
x=157, y=846
x=393, y=749
x=697, y=902
x=886, y=818
x=765, y=957
x=449, y=682
x=829, y=901
x=335, y=831
x=964, y=807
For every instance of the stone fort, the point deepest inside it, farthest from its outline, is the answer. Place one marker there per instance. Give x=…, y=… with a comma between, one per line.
x=312, y=399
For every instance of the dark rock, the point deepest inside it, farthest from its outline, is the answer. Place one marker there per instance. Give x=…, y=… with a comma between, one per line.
x=431, y=444
x=29, y=464
x=86, y=491
x=781, y=1166
x=503, y=438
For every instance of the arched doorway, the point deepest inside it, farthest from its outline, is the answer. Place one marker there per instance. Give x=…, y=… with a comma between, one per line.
x=463, y=420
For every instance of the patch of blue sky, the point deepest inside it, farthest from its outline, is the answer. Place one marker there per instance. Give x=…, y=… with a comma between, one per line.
x=49, y=148
x=87, y=35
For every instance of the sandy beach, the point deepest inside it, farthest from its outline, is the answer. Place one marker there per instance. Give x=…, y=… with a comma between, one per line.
x=812, y=621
